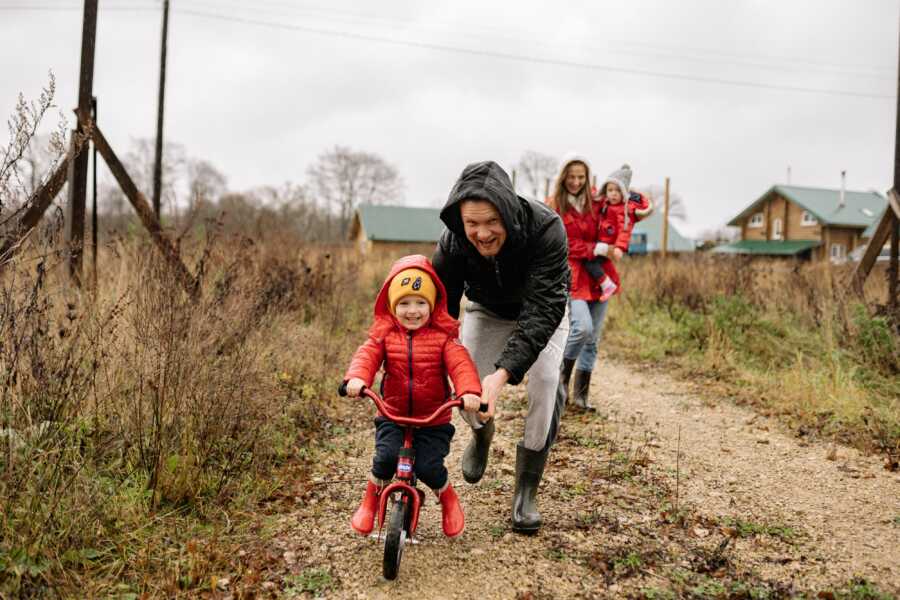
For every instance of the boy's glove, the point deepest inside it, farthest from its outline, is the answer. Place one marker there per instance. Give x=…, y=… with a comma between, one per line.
x=471, y=402
x=354, y=386
x=601, y=249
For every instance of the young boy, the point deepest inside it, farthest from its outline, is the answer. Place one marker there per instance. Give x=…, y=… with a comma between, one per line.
x=414, y=337
x=617, y=219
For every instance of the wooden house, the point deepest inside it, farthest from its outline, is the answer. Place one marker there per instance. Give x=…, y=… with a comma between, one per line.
x=397, y=230
x=804, y=222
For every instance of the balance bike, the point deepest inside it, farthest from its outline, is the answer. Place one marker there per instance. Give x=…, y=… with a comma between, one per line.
x=404, y=497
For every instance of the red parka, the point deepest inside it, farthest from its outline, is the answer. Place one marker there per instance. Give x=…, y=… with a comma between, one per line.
x=604, y=222
x=416, y=363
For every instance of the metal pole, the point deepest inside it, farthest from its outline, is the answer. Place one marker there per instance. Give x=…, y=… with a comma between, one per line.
x=157, y=165
x=94, y=202
x=75, y=208
x=665, y=225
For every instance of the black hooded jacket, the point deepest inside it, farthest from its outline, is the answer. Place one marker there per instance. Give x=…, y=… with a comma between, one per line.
x=528, y=281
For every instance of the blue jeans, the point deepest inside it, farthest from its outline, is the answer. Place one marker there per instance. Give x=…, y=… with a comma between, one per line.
x=585, y=328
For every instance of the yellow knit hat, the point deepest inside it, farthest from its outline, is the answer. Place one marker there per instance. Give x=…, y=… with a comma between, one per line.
x=411, y=282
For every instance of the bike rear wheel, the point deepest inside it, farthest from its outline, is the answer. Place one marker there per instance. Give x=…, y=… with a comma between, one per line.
x=395, y=538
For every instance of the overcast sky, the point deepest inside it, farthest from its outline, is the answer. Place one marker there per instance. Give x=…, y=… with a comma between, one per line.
x=721, y=96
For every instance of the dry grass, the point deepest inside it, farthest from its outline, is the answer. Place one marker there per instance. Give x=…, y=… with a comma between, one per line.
x=792, y=339
x=134, y=419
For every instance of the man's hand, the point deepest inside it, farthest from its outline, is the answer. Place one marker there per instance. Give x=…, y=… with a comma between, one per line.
x=471, y=402
x=617, y=254
x=490, y=391
x=354, y=386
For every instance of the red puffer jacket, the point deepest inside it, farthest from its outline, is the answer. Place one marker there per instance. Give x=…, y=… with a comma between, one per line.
x=581, y=231
x=416, y=363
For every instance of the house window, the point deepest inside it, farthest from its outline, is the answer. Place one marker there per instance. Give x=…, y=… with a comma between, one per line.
x=776, y=229
x=808, y=218
x=838, y=252
x=756, y=220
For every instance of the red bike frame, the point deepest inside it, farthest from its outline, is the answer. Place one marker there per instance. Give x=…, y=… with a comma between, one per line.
x=406, y=460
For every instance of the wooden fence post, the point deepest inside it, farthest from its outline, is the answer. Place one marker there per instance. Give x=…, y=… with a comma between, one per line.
x=665, y=223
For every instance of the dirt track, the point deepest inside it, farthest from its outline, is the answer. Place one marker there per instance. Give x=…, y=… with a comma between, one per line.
x=737, y=508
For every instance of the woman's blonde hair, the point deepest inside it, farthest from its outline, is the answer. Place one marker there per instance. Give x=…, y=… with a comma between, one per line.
x=560, y=198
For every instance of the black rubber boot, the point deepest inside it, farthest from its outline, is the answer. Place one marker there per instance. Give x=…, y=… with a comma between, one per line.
x=529, y=471
x=565, y=373
x=582, y=388
x=475, y=457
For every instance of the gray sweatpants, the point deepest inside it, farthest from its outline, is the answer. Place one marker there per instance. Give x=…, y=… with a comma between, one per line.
x=484, y=335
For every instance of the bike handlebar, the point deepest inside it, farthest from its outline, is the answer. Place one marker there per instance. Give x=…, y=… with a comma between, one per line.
x=401, y=420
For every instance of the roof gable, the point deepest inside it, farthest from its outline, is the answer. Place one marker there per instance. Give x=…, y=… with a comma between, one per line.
x=399, y=223
x=860, y=209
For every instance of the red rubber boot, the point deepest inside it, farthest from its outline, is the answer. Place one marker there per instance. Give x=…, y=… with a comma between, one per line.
x=453, y=519
x=363, y=520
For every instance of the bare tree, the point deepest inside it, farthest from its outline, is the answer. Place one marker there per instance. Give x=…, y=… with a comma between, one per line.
x=343, y=178
x=536, y=169
x=139, y=162
x=657, y=194
x=21, y=172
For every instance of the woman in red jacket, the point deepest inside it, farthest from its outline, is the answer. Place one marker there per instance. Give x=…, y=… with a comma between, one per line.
x=414, y=337
x=580, y=211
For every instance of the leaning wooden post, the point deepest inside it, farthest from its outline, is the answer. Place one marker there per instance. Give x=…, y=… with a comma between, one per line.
x=547, y=187
x=145, y=213
x=665, y=223
x=514, y=178
x=78, y=167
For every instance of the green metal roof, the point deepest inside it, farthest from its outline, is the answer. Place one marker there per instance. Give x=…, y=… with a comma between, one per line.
x=767, y=248
x=652, y=227
x=400, y=223
x=860, y=209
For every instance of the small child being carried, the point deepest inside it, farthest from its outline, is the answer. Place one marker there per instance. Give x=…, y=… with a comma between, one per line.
x=616, y=223
x=416, y=340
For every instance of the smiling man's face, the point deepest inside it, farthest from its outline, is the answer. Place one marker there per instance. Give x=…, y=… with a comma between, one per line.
x=484, y=226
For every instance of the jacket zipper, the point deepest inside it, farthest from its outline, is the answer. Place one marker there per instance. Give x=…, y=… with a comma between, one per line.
x=409, y=348
x=497, y=273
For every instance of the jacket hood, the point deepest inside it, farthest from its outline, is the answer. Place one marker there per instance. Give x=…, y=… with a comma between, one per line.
x=440, y=316
x=488, y=181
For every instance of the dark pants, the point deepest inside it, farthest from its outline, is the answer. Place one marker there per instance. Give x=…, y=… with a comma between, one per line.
x=432, y=444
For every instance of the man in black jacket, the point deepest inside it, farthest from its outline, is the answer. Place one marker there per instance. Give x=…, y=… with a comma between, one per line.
x=509, y=256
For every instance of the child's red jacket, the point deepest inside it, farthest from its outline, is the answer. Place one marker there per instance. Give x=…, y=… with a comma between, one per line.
x=617, y=220
x=416, y=363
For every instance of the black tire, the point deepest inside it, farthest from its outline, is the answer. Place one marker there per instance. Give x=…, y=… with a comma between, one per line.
x=395, y=538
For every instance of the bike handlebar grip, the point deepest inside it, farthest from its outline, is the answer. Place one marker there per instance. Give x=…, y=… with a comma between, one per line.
x=342, y=390
x=483, y=407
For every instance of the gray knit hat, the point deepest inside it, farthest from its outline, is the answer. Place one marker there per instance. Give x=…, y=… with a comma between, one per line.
x=622, y=178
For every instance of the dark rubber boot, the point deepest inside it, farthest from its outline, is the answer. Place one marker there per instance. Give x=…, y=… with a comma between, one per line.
x=565, y=373
x=582, y=388
x=529, y=470
x=475, y=457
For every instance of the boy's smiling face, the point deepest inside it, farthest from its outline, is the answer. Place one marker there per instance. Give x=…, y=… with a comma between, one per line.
x=412, y=312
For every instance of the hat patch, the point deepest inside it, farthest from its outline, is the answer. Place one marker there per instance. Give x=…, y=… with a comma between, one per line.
x=417, y=284
x=405, y=281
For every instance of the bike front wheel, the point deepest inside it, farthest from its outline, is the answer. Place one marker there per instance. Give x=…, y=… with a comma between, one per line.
x=395, y=538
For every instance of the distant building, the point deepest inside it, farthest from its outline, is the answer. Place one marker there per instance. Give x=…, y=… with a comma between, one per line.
x=396, y=229
x=804, y=222
x=647, y=236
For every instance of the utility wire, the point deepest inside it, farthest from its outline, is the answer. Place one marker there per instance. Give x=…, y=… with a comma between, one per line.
x=526, y=59
x=536, y=39
x=487, y=53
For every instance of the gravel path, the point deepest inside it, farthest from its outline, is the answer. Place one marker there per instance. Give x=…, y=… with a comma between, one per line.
x=736, y=508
